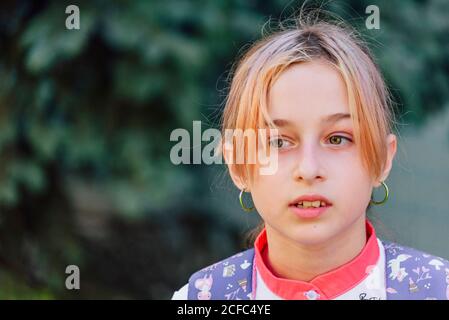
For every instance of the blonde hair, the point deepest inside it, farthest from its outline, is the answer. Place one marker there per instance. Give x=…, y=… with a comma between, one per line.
x=370, y=104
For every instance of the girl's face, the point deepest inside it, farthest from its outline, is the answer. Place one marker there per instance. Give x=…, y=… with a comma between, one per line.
x=316, y=155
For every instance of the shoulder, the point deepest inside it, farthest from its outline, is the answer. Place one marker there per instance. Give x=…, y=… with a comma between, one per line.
x=404, y=253
x=226, y=265
x=208, y=280
x=423, y=273
x=181, y=294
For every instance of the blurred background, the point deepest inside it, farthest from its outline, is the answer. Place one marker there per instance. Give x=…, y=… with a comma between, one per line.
x=85, y=121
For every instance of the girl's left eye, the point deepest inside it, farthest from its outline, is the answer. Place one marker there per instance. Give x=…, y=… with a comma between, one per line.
x=337, y=139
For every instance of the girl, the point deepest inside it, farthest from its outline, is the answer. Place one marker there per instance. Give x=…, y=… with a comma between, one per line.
x=318, y=86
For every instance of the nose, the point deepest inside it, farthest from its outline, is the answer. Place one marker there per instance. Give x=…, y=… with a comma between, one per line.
x=308, y=167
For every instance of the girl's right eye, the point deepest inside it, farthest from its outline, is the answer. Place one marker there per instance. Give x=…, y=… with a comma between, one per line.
x=279, y=143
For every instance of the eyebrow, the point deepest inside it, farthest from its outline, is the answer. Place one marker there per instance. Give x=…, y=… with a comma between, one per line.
x=325, y=120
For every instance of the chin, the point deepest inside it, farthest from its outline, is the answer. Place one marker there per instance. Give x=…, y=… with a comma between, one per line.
x=312, y=233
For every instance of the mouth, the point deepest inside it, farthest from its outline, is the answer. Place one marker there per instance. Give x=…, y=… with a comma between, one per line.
x=311, y=200
x=310, y=206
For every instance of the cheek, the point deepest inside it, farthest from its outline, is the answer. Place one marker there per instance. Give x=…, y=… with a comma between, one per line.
x=353, y=184
x=353, y=165
x=347, y=163
x=268, y=192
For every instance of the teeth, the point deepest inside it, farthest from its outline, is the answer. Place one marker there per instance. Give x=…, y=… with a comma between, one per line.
x=308, y=204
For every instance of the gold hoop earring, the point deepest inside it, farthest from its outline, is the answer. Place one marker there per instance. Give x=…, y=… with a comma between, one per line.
x=384, y=199
x=245, y=208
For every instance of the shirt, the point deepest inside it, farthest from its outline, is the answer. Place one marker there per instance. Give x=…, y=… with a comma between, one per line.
x=361, y=278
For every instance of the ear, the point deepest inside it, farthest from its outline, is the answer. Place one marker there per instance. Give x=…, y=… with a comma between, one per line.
x=391, y=152
x=228, y=155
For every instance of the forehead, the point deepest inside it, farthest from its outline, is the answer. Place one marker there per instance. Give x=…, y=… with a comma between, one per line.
x=308, y=90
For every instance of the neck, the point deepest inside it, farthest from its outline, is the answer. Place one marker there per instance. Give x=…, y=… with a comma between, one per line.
x=313, y=260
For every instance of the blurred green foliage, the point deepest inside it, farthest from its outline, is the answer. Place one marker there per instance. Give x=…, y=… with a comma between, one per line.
x=85, y=120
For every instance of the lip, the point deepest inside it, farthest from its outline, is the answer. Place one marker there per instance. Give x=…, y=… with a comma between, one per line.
x=309, y=212
x=311, y=197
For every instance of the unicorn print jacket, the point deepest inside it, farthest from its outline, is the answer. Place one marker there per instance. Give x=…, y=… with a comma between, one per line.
x=406, y=274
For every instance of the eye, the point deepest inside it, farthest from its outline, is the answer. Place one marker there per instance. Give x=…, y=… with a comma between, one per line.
x=279, y=143
x=336, y=139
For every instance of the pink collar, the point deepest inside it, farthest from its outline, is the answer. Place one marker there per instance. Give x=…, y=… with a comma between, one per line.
x=328, y=285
